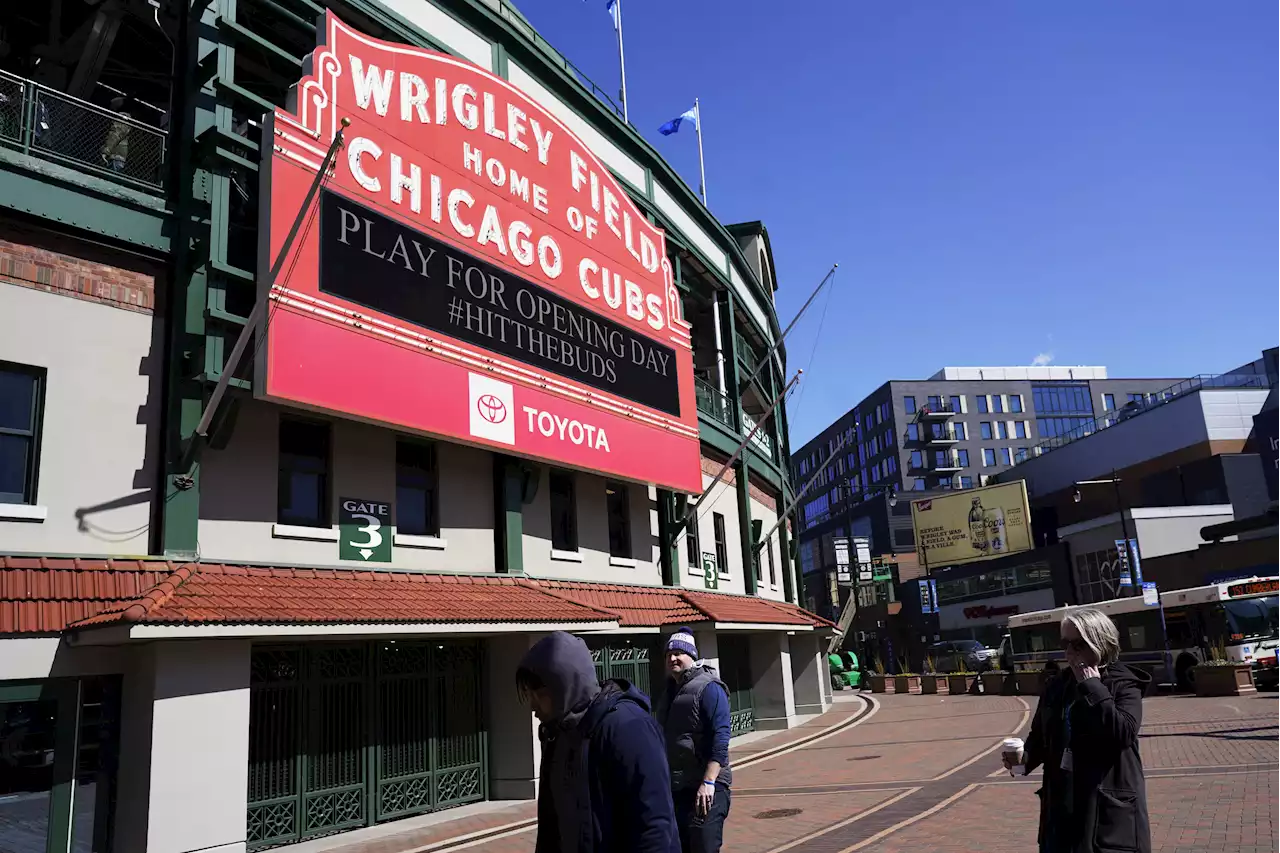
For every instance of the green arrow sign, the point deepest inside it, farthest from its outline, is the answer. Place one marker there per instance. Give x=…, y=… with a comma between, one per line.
x=365, y=530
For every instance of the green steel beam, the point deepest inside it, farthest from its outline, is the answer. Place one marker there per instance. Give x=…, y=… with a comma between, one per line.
x=197, y=217
x=669, y=530
x=508, y=515
x=77, y=200
x=784, y=552
x=728, y=329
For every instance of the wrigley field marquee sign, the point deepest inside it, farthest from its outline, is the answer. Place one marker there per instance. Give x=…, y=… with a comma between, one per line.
x=469, y=270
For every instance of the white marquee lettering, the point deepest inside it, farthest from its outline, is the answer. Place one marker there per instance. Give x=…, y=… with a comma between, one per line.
x=456, y=199
x=464, y=106
x=355, y=150
x=413, y=98
x=411, y=182
x=566, y=429
x=371, y=84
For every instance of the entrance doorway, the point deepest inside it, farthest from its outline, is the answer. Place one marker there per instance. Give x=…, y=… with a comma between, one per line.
x=632, y=658
x=345, y=736
x=735, y=671
x=58, y=748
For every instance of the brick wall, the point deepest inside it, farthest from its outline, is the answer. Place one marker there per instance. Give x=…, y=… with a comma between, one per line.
x=44, y=260
x=759, y=494
x=711, y=466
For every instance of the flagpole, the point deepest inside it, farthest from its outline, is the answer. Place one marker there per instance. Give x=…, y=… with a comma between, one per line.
x=702, y=167
x=622, y=61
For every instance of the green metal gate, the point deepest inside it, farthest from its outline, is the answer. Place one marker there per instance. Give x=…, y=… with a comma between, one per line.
x=343, y=736
x=735, y=671
x=631, y=658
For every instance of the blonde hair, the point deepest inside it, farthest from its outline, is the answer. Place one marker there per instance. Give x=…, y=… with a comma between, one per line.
x=1098, y=632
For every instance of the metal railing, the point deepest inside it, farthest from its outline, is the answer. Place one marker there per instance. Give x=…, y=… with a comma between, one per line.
x=713, y=403
x=947, y=433
x=941, y=410
x=1154, y=401
x=950, y=462
x=52, y=125
x=521, y=23
x=748, y=357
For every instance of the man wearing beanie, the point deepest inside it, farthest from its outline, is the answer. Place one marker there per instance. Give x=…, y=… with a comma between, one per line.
x=695, y=718
x=604, y=783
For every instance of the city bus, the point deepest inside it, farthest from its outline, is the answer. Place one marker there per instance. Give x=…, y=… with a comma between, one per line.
x=1238, y=617
x=1035, y=638
x=1169, y=638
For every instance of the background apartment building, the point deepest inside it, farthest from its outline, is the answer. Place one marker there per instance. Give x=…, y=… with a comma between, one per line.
x=954, y=430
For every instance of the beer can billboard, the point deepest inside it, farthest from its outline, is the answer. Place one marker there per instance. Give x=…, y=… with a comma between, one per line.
x=973, y=524
x=469, y=269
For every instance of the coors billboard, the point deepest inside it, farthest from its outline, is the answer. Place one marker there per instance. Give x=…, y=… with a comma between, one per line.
x=469, y=269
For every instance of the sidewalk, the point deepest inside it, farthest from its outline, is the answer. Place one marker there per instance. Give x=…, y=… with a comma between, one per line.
x=510, y=821
x=899, y=773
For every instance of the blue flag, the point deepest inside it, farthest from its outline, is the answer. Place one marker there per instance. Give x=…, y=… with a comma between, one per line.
x=612, y=8
x=689, y=115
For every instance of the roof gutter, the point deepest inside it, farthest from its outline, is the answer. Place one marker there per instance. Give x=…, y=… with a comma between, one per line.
x=219, y=631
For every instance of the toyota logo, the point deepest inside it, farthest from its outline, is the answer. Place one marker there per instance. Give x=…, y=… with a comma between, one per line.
x=491, y=409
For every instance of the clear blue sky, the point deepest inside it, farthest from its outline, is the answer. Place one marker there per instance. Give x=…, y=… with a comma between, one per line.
x=1095, y=181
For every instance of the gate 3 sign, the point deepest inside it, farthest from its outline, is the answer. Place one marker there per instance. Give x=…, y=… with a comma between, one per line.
x=364, y=530
x=470, y=270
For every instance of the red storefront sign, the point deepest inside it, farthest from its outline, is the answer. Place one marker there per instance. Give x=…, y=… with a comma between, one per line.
x=469, y=270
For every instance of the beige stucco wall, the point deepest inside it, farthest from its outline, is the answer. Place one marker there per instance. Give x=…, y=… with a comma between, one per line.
x=723, y=500
x=592, y=560
x=100, y=439
x=239, y=486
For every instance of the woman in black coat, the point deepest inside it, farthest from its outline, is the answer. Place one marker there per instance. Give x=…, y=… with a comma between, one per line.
x=1085, y=734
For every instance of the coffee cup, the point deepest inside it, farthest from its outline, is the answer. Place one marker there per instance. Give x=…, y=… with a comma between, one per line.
x=1012, y=751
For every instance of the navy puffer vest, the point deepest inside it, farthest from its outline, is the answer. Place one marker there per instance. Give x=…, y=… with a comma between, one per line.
x=688, y=749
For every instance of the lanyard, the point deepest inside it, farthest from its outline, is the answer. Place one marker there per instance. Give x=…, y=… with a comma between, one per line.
x=1066, y=719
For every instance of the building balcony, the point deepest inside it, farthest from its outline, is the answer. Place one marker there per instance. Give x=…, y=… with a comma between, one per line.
x=745, y=355
x=941, y=438
x=714, y=404
x=940, y=412
x=54, y=126
x=949, y=464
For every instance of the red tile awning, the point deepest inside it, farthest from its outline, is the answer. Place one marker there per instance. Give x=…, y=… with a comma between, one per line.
x=40, y=595
x=659, y=607
x=749, y=610
x=636, y=606
x=47, y=596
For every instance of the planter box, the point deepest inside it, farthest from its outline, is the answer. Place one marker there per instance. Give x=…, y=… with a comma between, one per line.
x=906, y=684
x=1223, y=680
x=881, y=684
x=959, y=684
x=1029, y=683
x=993, y=682
x=931, y=685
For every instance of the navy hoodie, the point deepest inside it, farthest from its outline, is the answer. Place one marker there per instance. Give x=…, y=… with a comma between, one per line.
x=605, y=785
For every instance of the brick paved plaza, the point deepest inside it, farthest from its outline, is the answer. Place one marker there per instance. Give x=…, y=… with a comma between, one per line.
x=909, y=773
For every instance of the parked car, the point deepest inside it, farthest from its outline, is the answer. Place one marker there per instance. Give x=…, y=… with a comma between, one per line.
x=845, y=670
x=962, y=655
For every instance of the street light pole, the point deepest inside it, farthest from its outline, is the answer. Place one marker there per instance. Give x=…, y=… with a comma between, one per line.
x=1114, y=480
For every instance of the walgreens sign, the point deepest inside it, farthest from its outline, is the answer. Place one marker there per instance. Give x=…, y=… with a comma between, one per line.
x=469, y=269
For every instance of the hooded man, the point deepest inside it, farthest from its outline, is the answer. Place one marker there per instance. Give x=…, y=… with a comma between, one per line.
x=695, y=719
x=604, y=783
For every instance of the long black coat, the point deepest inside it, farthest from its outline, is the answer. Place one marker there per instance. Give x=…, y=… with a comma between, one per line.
x=1101, y=806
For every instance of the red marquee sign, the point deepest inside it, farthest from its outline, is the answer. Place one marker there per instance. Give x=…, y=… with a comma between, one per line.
x=469, y=269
